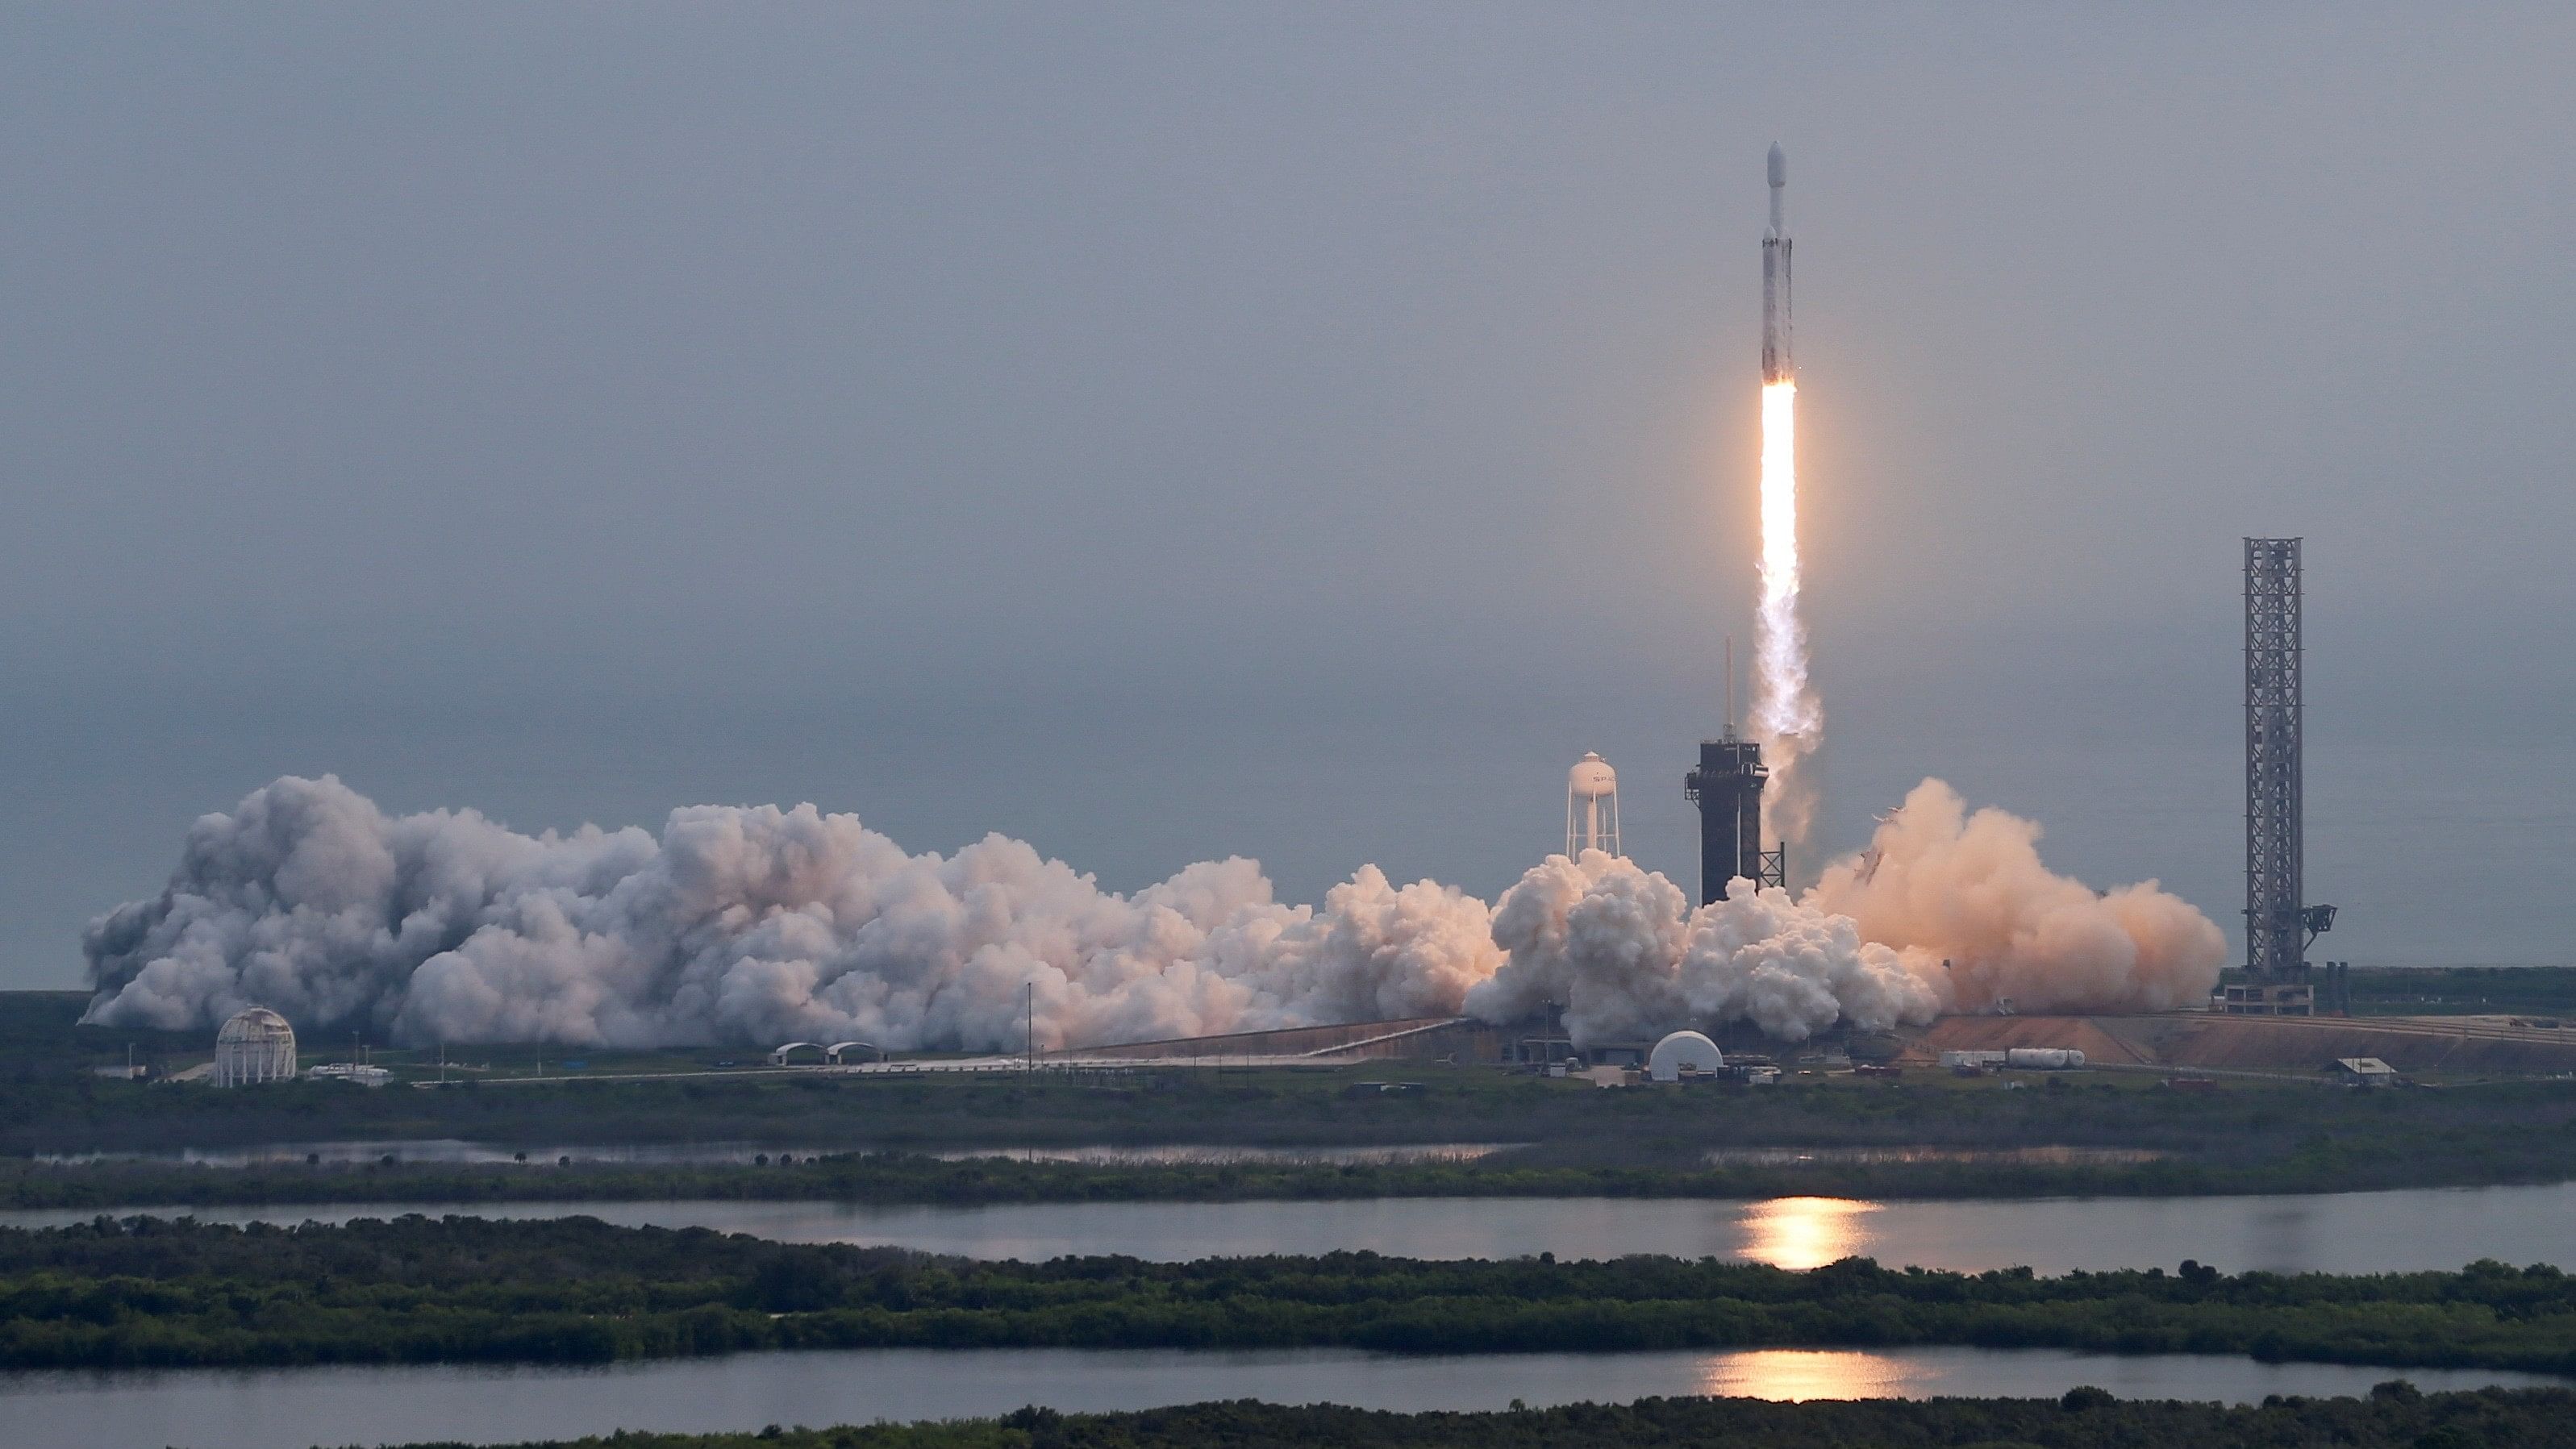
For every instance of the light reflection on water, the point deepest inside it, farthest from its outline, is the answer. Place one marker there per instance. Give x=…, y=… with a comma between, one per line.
x=1805, y=1232
x=1800, y=1374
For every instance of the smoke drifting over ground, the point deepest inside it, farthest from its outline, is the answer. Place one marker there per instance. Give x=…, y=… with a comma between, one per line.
x=1943, y=884
x=760, y=925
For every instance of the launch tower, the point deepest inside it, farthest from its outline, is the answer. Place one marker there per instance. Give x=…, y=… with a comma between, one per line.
x=2279, y=925
x=1727, y=787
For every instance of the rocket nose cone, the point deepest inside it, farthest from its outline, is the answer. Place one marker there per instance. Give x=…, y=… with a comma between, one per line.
x=1779, y=166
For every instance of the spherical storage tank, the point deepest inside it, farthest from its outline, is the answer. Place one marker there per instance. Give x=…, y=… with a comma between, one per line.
x=1683, y=1051
x=254, y=1046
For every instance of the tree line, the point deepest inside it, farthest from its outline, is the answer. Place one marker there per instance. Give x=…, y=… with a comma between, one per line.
x=152, y=1292
x=2393, y=1416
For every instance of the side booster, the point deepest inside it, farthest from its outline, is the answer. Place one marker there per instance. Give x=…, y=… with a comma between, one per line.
x=1727, y=787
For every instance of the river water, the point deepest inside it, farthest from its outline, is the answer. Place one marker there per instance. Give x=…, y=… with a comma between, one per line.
x=2428, y=1228
x=283, y=1408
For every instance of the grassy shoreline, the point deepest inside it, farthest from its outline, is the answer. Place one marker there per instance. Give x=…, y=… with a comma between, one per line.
x=2393, y=1416
x=150, y=1293
x=2266, y=1138
x=909, y=1179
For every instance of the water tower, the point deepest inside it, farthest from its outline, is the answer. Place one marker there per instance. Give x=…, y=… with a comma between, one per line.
x=1591, y=807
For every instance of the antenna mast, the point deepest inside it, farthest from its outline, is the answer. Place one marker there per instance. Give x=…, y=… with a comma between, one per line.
x=1730, y=686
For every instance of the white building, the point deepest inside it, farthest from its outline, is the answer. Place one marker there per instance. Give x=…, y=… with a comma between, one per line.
x=255, y=1045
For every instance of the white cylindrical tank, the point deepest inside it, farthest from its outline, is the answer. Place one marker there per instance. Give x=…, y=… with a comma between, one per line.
x=2045, y=1059
x=256, y=1045
x=1683, y=1051
x=1591, y=807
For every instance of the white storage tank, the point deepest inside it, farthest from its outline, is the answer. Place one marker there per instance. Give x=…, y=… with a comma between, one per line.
x=1683, y=1051
x=254, y=1046
x=2044, y=1059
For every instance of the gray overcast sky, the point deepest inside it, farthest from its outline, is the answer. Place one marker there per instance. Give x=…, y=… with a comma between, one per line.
x=1163, y=432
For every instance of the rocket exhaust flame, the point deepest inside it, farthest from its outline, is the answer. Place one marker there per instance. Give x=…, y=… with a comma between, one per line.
x=1788, y=719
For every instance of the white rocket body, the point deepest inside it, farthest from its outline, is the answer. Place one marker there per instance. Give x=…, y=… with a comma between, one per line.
x=1776, y=364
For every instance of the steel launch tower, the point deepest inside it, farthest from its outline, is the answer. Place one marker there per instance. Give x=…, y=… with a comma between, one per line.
x=2279, y=924
x=1727, y=787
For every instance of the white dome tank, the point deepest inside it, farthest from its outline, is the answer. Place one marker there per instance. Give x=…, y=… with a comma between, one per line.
x=1683, y=1051
x=256, y=1045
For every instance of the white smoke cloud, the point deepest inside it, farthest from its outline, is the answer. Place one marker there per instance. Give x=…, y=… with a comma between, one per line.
x=1942, y=884
x=742, y=924
x=1622, y=951
x=761, y=925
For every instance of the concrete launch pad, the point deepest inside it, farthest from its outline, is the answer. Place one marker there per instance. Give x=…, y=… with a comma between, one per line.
x=2178, y=1041
x=2195, y=1040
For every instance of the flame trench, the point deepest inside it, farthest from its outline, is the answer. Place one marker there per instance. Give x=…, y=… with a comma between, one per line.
x=1788, y=720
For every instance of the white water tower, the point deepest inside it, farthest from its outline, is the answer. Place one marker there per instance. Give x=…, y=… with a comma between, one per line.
x=1591, y=807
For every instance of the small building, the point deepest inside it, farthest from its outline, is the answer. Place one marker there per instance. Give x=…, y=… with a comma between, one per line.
x=2279, y=998
x=356, y=1074
x=2365, y=1072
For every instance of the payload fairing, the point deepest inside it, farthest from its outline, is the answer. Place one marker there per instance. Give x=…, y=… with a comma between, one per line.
x=1776, y=366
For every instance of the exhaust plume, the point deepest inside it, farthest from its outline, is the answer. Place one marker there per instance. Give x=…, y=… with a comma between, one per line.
x=760, y=925
x=1788, y=718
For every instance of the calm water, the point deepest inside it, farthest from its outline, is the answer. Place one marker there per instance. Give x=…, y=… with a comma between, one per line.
x=281, y=1408
x=2336, y=1233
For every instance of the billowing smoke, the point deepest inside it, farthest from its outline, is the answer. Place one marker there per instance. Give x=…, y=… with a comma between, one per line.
x=1945, y=911
x=742, y=924
x=1946, y=885
x=1625, y=955
x=764, y=925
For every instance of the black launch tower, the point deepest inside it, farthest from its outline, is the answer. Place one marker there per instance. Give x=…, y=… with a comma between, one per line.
x=1727, y=787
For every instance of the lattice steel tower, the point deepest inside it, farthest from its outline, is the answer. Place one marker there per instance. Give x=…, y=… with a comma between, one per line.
x=2276, y=917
